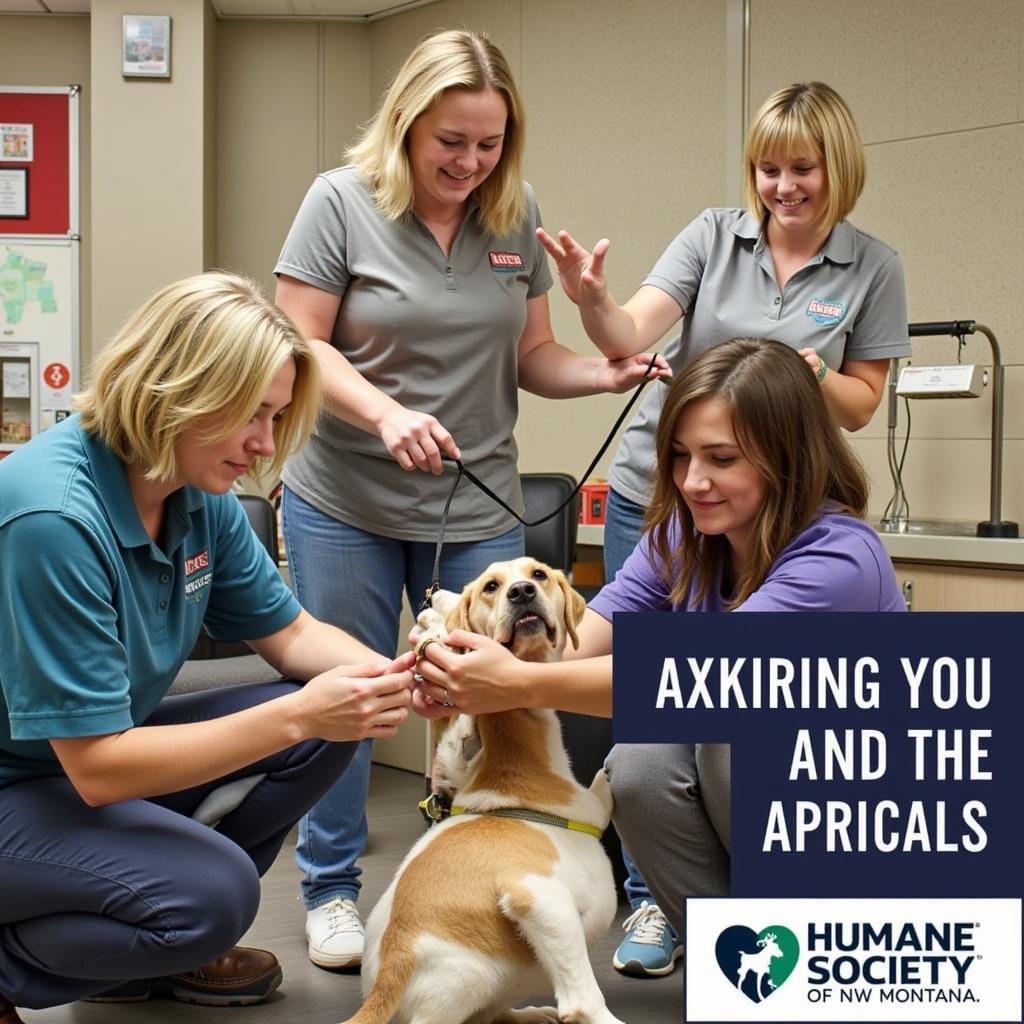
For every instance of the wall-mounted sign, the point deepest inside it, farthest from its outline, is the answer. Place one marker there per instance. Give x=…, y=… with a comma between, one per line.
x=146, y=46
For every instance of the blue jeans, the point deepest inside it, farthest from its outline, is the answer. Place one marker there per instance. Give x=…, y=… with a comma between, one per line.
x=91, y=897
x=623, y=527
x=354, y=579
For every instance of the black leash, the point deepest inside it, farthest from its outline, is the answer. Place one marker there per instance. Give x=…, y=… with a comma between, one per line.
x=435, y=576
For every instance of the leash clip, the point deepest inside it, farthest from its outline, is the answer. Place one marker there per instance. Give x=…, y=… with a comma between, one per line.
x=428, y=595
x=435, y=808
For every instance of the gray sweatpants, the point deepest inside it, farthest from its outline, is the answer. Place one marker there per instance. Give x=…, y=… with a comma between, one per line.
x=672, y=813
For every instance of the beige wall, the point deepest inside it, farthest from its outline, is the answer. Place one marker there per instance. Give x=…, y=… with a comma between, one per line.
x=289, y=99
x=150, y=163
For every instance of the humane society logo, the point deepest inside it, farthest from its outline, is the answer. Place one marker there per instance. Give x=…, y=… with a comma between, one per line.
x=853, y=960
x=757, y=963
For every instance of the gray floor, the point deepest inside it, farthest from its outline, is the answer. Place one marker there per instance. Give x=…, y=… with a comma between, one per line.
x=312, y=996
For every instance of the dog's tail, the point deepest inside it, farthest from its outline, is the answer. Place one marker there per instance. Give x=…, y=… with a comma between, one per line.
x=397, y=961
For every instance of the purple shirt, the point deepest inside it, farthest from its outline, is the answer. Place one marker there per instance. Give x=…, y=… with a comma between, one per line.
x=837, y=564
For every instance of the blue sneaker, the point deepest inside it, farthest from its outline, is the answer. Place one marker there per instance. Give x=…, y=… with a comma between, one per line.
x=650, y=947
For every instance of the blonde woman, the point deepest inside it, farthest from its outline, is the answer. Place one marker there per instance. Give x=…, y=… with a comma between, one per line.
x=790, y=266
x=416, y=271
x=121, y=538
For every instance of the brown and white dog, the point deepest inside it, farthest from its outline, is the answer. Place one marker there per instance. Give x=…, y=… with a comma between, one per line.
x=487, y=910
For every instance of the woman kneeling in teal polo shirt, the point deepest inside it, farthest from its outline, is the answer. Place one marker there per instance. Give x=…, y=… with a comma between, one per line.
x=120, y=538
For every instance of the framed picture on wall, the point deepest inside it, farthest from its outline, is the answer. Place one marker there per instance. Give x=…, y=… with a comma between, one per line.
x=16, y=143
x=146, y=46
x=14, y=192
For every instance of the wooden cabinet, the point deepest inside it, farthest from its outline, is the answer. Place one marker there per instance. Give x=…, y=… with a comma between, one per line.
x=956, y=588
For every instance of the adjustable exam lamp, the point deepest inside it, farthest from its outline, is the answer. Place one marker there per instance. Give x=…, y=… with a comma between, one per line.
x=948, y=382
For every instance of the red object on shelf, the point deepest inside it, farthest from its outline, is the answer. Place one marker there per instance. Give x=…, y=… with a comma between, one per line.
x=593, y=500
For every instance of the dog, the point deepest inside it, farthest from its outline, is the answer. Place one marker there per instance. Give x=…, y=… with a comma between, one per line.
x=498, y=902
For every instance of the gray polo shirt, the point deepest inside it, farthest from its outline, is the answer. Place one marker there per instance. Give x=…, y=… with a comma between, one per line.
x=439, y=335
x=849, y=302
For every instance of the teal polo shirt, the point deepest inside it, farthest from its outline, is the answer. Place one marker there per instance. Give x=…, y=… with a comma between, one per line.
x=96, y=618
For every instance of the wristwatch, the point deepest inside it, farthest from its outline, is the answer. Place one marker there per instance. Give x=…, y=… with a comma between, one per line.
x=822, y=369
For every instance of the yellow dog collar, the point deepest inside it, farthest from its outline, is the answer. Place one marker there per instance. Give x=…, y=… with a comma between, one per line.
x=539, y=817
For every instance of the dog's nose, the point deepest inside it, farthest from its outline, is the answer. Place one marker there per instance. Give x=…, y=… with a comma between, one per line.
x=522, y=592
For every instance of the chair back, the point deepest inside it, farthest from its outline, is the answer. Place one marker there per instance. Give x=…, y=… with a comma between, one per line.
x=554, y=541
x=263, y=520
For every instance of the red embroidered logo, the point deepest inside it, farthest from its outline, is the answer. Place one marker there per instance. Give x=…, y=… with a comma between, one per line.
x=506, y=262
x=197, y=562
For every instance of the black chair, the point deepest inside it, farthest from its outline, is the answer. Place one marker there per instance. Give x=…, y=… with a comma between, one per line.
x=587, y=738
x=214, y=663
x=554, y=541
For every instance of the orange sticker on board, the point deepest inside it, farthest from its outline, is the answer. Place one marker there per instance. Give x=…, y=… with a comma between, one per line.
x=56, y=376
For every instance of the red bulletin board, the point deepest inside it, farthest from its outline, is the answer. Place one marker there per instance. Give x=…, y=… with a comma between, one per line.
x=49, y=171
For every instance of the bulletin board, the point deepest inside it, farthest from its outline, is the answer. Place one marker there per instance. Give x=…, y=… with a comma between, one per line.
x=39, y=259
x=38, y=138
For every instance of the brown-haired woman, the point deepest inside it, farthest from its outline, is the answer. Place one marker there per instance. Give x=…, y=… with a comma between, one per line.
x=758, y=507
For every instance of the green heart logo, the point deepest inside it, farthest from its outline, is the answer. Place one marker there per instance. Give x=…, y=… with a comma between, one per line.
x=757, y=963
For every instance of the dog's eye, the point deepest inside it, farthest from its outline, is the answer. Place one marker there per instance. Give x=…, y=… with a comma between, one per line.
x=490, y=586
x=539, y=574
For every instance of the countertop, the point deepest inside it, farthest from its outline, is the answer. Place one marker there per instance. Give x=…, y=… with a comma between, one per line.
x=988, y=552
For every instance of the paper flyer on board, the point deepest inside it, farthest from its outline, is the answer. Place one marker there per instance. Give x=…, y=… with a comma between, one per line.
x=875, y=794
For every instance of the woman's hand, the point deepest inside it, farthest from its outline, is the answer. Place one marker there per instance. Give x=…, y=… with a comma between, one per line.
x=617, y=375
x=352, y=702
x=485, y=678
x=812, y=359
x=580, y=270
x=416, y=440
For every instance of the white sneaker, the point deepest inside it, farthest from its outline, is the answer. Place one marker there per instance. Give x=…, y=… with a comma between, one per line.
x=335, y=934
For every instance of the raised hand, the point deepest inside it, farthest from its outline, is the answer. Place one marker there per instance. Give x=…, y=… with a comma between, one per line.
x=580, y=270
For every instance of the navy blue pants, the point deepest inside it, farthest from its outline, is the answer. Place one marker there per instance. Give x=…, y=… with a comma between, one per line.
x=94, y=896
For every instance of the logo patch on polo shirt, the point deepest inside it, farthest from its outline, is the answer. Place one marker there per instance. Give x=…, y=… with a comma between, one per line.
x=505, y=262
x=197, y=574
x=827, y=312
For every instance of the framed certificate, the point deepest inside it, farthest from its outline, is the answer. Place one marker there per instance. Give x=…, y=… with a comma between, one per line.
x=146, y=46
x=14, y=192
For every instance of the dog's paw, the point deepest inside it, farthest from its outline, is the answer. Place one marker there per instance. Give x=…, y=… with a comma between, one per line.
x=430, y=621
x=529, y=1015
x=578, y=1015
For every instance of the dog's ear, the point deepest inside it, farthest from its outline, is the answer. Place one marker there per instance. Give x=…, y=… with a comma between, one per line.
x=458, y=616
x=575, y=606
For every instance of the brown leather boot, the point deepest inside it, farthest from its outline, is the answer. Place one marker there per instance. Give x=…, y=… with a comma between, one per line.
x=240, y=977
x=9, y=1013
